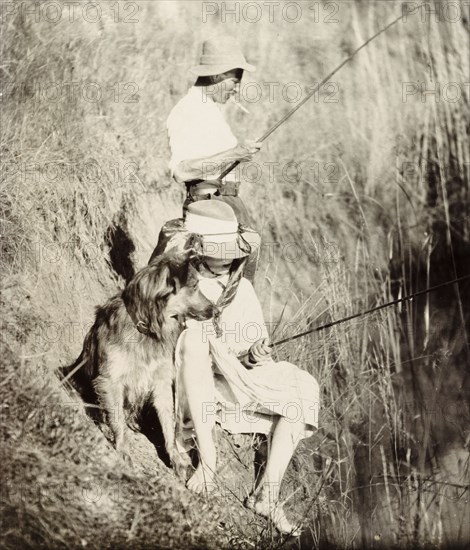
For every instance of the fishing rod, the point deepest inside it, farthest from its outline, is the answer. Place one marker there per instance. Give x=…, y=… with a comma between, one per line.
x=377, y=308
x=318, y=86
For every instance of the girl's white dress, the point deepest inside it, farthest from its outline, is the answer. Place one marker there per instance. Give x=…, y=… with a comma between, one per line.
x=246, y=400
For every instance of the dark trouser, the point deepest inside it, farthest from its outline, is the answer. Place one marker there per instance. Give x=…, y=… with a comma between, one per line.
x=235, y=202
x=243, y=217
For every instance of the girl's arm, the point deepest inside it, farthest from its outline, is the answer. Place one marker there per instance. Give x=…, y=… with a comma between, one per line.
x=253, y=327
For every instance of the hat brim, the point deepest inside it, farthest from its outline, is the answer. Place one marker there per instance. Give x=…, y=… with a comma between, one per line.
x=211, y=70
x=246, y=243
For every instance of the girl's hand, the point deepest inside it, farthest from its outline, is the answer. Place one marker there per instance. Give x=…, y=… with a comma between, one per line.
x=260, y=352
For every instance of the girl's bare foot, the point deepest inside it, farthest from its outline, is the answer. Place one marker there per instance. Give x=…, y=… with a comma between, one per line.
x=275, y=513
x=202, y=481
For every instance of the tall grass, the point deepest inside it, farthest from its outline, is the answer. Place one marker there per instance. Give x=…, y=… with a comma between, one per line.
x=379, y=209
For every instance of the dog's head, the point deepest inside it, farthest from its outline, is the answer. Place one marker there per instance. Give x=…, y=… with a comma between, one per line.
x=165, y=291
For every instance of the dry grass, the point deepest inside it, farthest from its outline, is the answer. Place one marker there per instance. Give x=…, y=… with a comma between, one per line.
x=395, y=396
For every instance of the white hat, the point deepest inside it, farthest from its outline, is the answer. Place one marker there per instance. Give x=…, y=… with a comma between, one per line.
x=222, y=235
x=220, y=55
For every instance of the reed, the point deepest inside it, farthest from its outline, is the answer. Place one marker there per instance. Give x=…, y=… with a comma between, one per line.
x=374, y=205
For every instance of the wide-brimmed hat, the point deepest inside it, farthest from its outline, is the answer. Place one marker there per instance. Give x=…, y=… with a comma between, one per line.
x=220, y=55
x=222, y=236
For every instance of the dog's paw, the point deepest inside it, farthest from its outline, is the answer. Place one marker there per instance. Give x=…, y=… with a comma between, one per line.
x=133, y=425
x=180, y=463
x=124, y=449
x=126, y=456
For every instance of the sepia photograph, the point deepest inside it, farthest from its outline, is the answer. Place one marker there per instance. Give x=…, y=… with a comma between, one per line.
x=235, y=274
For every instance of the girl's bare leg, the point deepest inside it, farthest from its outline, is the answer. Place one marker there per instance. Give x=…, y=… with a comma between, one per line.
x=264, y=500
x=198, y=385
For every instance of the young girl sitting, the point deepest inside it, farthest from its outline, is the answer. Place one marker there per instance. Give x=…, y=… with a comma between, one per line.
x=225, y=371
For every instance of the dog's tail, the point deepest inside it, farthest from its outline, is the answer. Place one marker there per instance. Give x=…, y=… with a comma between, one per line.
x=72, y=373
x=77, y=376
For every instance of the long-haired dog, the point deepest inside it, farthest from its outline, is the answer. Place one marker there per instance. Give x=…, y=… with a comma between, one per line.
x=128, y=355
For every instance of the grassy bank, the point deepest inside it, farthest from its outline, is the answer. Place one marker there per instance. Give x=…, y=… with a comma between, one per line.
x=368, y=201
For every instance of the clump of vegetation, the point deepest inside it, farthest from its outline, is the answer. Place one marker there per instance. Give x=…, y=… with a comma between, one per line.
x=368, y=202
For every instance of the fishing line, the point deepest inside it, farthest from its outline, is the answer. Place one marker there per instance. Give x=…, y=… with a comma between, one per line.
x=320, y=84
x=362, y=313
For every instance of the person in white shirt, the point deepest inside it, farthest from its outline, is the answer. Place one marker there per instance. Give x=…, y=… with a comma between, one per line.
x=225, y=371
x=201, y=141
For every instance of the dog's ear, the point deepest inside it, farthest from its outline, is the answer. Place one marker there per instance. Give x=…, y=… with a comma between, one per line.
x=180, y=264
x=178, y=260
x=144, y=296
